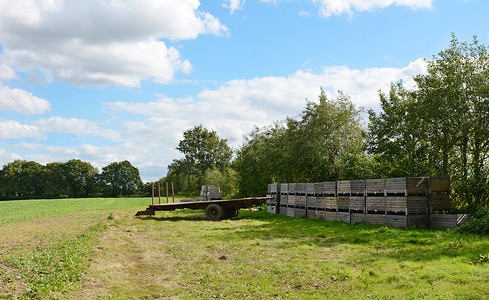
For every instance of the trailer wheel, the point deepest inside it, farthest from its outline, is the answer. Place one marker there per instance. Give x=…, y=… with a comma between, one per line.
x=214, y=212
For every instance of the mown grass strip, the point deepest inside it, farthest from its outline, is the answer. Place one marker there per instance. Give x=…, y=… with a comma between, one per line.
x=54, y=269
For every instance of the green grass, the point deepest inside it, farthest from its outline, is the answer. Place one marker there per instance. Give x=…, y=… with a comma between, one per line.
x=105, y=252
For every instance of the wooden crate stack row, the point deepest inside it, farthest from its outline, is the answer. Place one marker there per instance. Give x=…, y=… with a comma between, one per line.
x=399, y=202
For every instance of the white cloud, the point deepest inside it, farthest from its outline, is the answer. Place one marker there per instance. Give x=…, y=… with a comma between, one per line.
x=238, y=105
x=101, y=42
x=234, y=4
x=22, y=101
x=6, y=157
x=10, y=129
x=77, y=127
x=338, y=7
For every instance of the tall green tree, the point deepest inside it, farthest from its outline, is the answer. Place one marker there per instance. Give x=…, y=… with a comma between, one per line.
x=203, y=151
x=440, y=128
x=326, y=143
x=120, y=178
x=78, y=177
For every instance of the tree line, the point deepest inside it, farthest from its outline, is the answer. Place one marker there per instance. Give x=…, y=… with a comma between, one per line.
x=22, y=179
x=438, y=128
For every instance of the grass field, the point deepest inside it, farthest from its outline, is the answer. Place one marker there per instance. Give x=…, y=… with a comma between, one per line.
x=97, y=249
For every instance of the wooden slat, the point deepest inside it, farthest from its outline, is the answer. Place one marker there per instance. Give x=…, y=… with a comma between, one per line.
x=376, y=219
x=325, y=188
x=357, y=204
x=358, y=217
x=343, y=187
x=343, y=217
x=375, y=204
x=312, y=202
x=331, y=203
x=330, y=215
x=375, y=186
x=321, y=202
x=357, y=187
x=343, y=202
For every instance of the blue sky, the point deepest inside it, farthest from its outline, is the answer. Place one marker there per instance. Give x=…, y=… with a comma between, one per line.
x=106, y=81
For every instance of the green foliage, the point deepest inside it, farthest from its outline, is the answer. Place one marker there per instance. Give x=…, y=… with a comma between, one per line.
x=22, y=179
x=440, y=128
x=204, y=151
x=120, y=178
x=478, y=224
x=327, y=143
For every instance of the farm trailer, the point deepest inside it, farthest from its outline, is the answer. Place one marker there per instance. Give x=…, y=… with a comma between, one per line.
x=214, y=209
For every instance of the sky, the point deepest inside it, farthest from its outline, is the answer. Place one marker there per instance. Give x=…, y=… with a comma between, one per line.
x=112, y=80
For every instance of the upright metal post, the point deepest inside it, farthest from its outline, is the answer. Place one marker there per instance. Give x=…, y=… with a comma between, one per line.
x=167, y=192
x=159, y=193
x=153, y=193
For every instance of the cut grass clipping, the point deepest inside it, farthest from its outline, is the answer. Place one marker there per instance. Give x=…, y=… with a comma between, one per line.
x=111, y=254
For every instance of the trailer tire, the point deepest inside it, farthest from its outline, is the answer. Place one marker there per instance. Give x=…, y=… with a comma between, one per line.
x=215, y=212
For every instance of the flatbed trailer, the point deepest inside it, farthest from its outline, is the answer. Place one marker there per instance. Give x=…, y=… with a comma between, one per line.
x=214, y=209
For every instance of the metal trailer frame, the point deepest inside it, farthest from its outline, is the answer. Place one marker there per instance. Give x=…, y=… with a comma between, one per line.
x=214, y=209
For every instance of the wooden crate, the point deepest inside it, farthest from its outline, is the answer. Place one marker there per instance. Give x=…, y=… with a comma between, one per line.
x=291, y=200
x=283, y=210
x=376, y=219
x=448, y=220
x=320, y=202
x=406, y=186
x=343, y=187
x=284, y=199
x=343, y=203
x=357, y=187
x=375, y=204
x=403, y=221
x=331, y=203
x=272, y=209
x=320, y=214
x=439, y=185
x=343, y=217
x=357, y=204
x=375, y=187
x=310, y=189
x=272, y=188
x=407, y=204
x=290, y=211
x=299, y=212
x=327, y=188
x=358, y=218
x=330, y=215
x=312, y=202
x=440, y=202
x=300, y=188
x=284, y=188
x=300, y=201
x=312, y=214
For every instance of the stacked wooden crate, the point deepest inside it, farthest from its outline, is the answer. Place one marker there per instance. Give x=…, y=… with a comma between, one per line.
x=398, y=202
x=210, y=192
